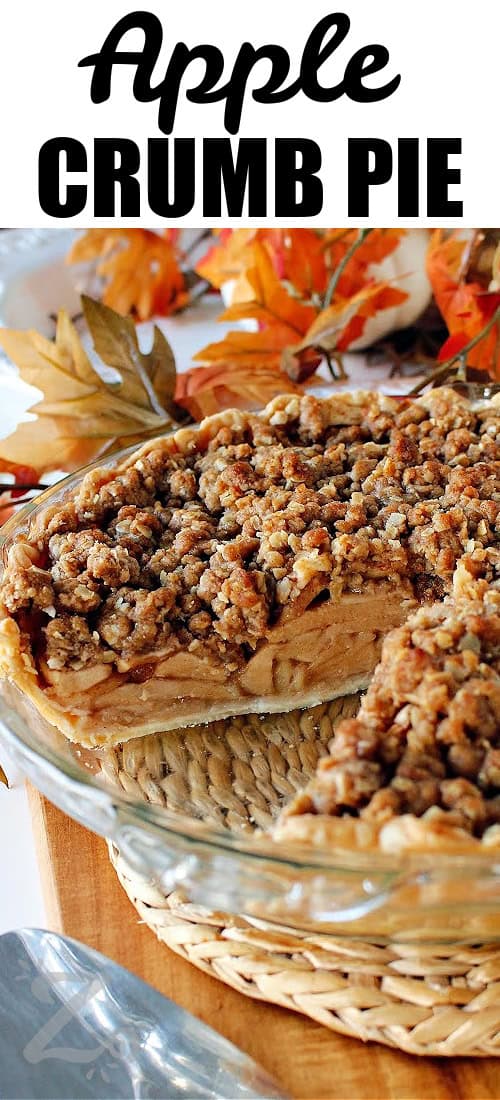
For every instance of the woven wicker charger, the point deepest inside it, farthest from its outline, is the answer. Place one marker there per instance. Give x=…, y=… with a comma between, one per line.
x=418, y=997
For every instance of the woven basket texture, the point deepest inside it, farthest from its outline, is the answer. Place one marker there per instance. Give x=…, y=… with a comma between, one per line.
x=422, y=998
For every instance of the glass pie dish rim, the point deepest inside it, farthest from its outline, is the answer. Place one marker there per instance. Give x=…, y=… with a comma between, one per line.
x=15, y=732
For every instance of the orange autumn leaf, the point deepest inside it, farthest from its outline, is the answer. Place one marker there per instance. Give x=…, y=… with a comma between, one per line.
x=25, y=478
x=377, y=246
x=304, y=259
x=445, y=258
x=228, y=260
x=329, y=327
x=223, y=385
x=377, y=298
x=304, y=262
x=140, y=268
x=282, y=319
x=287, y=274
x=246, y=348
x=225, y=259
x=272, y=304
x=466, y=306
x=297, y=256
x=339, y=325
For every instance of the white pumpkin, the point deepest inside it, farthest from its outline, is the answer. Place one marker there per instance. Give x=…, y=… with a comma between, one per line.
x=405, y=268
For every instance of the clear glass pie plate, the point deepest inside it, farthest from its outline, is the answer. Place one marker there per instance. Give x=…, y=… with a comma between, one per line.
x=189, y=810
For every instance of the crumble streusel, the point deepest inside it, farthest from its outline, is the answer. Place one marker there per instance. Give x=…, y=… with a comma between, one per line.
x=426, y=742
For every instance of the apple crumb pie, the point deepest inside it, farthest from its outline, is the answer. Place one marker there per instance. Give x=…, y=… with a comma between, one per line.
x=254, y=563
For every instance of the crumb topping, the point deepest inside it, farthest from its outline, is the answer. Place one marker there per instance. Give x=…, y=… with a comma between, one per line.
x=204, y=542
x=427, y=737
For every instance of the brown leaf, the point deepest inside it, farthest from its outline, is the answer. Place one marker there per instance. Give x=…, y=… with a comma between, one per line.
x=3, y=777
x=300, y=365
x=160, y=367
x=115, y=341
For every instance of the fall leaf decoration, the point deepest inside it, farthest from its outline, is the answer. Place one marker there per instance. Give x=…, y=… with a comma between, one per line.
x=304, y=259
x=304, y=297
x=245, y=369
x=482, y=258
x=224, y=385
x=141, y=269
x=362, y=249
x=81, y=415
x=308, y=294
x=280, y=318
x=471, y=309
x=228, y=257
x=336, y=327
x=25, y=480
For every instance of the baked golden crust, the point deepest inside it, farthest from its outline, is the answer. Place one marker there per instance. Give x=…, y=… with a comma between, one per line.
x=181, y=573
x=420, y=765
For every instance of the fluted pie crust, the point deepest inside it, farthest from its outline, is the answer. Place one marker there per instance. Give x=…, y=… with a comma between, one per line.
x=251, y=564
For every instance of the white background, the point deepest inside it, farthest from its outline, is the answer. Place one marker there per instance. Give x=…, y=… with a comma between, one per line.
x=445, y=50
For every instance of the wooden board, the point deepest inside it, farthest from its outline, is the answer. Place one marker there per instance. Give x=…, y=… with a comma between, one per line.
x=84, y=900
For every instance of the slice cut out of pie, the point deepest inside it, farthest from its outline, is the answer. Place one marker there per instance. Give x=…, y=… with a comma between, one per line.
x=419, y=767
x=251, y=564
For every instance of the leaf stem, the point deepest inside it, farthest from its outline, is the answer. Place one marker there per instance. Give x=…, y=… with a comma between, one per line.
x=461, y=356
x=18, y=487
x=332, y=357
x=196, y=285
x=332, y=285
x=202, y=236
x=16, y=501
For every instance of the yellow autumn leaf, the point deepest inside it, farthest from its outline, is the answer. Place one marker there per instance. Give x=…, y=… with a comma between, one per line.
x=80, y=415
